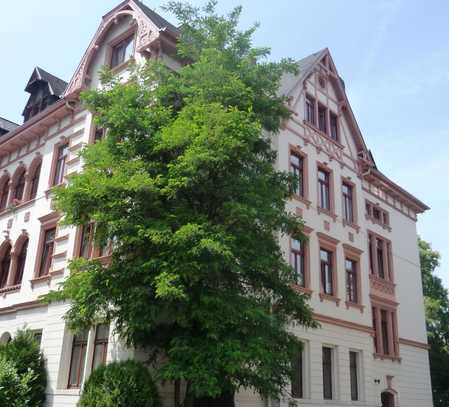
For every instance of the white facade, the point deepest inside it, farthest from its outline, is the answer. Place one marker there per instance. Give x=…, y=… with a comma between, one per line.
x=403, y=372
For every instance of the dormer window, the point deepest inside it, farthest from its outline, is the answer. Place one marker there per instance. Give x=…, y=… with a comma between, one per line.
x=122, y=51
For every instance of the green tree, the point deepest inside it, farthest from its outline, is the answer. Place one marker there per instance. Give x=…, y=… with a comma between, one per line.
x=120, y=384
x=24, y=355
x=437, y=319
x=184, y=185
x=14, y=388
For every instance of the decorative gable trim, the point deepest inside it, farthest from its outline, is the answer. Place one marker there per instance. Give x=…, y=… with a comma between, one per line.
x=146, y=39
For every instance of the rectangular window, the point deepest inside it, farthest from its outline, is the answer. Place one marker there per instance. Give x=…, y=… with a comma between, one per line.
x=352, y=294
x=297, y=169
x=334, y=126
x=99, y=134
x=47, y=252
x=86, y=244
x=61, y=158
x=327, y=373
x=298, y=376
x=385, y=332
x=380, y=258
x=100, y=345
x=326, y=272
x=376, y=334
x=322, y=118
x=310, y=109
x=297, y=261
x=353, y=373
x=348, y=203
x=123, y=51
x=324, y=190
x=77, y=360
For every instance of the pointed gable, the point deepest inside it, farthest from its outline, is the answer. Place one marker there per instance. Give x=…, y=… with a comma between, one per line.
x=322, y=65
x=152, y=33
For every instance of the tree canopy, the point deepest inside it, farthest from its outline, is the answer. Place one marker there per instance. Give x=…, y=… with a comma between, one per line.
x=184, y=185
x=437, y=319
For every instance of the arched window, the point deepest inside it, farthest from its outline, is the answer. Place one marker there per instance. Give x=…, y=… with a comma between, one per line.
x=35, y=180
x=19, y=185
x=5, y=262
x=21, y=259
x=4, y=192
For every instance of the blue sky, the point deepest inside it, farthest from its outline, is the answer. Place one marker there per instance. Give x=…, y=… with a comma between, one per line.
x=392, y=54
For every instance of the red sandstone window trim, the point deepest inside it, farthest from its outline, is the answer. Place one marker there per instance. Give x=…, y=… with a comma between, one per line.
x=58, y=166
x=329, y=245
x=325, y=187
x=301, y=193
x=48, y=223
x=380, y=257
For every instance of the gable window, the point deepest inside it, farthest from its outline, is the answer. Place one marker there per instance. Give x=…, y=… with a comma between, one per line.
x=61, y=158
x=327, y=373
x=298, y=376
x=333, y=119
x=21, y=259
x=47, y=252
x=4, y=194
x=77, y=360
x=310, y=109
x=297, y=169
x=35, y=181
x=19, y=187
x=4, y=266
x=327, y=283
x=354, y=374
x=348, y=203
x=122, y=51
x=297, y=261
x=352, y=294
x=100, y=345
x=324, y=200
x=322, y=118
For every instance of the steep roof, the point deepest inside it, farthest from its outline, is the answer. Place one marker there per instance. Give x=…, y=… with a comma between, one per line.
x=7, y=125
x=57, y=86
x=157, y=19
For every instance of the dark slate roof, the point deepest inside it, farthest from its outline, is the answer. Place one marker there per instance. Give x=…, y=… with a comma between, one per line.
x=7, y=125
x=57, y=85
x=157, y=19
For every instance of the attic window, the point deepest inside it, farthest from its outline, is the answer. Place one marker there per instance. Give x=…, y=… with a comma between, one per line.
x=322, y=82
x=122, y=51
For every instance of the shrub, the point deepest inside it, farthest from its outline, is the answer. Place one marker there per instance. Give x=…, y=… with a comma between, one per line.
x=24, y=354
x=14, y=388
x=120, y=384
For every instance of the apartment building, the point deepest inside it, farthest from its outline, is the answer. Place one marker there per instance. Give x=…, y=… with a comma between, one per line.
x=360, y=264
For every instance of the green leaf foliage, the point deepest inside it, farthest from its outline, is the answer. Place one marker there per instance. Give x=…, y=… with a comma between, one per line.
x=436, y=299
x=184, y=185
x=120, y=384
x=25, y=371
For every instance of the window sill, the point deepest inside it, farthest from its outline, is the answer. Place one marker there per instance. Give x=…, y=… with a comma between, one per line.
x=351, y=225
x=12, y=209
x=323, y=134
x=300, y=198
x=327, y=212
x=329, y=297
x=350, y=304
x=9, y=290
x=51, y=188
x=301, y=289
x=120, y=67
x=376, y=222
x=393, y=358
x=42, y=279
